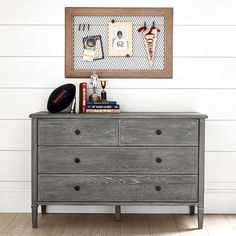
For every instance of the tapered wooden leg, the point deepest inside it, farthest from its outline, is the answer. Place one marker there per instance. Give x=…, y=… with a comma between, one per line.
x=34, y=210
x=118, y=212
x=191, y=210
x=43, y=209
x=200, y=217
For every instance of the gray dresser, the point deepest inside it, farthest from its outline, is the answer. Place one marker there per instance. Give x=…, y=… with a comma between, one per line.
x=118, y=159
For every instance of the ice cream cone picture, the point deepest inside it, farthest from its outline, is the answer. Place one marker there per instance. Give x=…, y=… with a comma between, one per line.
x=150, y=40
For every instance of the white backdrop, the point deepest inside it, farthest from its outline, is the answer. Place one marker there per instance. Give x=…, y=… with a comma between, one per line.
x=32, y=64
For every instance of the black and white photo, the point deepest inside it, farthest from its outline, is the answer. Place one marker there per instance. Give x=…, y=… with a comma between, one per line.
x=120, y=39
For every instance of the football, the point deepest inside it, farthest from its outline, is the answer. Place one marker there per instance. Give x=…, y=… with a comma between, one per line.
x=61, y=98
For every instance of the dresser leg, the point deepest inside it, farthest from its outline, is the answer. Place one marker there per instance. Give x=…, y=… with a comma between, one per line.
x=191, y=210
x=43, y=209
x=118, y=212
x=34, y=216
x=200, y=217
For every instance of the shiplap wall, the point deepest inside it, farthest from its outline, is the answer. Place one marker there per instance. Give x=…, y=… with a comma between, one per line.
x=32, y=64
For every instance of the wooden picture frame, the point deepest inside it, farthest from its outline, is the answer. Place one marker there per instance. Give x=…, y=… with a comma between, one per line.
x=165, y=72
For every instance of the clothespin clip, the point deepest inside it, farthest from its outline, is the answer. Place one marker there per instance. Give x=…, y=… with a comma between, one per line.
x=143, y=28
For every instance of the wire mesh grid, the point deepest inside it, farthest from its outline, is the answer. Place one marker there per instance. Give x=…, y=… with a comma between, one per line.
x=98, y=25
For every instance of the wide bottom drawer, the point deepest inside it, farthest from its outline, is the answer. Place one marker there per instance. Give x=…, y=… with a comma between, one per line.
x=100, y=188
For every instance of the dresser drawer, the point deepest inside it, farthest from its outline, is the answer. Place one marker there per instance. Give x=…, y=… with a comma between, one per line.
x=77, y=132
x=107, y=160
x=124, y=188
x=159, y=132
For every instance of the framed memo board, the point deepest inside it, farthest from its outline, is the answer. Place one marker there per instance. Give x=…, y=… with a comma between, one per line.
x=119, y=42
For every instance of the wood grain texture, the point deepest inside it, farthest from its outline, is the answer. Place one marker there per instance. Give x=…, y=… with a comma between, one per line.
x=131, y=224
x=219, y=136
x=162, y=225
x=70, y=12
x=51, y=225
x=78, y=224
x=117, y=188
x=219, y=225
x=115, y=160
x=174, y=132
x=34, y=170
x=131, y=175
x=134, y=115
x=105, y=225
x=91, y=132
x=188, y=226
x=5, y=220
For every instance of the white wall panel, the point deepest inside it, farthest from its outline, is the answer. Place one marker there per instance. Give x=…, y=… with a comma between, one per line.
x=15, y=166
x=15, y=135
x=220, y=167
x=15, y=197
x=220, y=136
x=32, y=41
x=200, y=41
x=220, y=12
x=48, y=72
x=19, y=103
x=203, y=41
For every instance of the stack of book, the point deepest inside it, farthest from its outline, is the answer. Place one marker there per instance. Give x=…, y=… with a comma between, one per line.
x=103, y=107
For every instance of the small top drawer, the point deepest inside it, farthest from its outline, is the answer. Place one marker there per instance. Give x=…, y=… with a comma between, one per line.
x=89, y=132
x=159, y=132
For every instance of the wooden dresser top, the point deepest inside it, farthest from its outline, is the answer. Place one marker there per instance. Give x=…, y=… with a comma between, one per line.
x=61, y=115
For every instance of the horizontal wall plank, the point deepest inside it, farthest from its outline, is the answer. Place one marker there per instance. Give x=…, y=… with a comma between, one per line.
x=220, y=168
x=16, y=135
x=15, y=197
x=48, y=72
x=32, y=41
x=52, y=12
x=220, y=136
x=204, y=41
x=15, y=166
x=19, y=103
x=198, y=41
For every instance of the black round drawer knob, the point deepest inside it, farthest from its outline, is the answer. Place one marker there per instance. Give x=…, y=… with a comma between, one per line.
x=158, y=160
x=158, y=132
x=77, y=132
x=158, y=188
x=77, y=188
x=77, y=160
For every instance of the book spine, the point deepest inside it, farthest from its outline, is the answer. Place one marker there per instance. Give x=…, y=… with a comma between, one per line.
x=102, y=103
x=103, y=106
x=103, y=111
x=83, y=97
